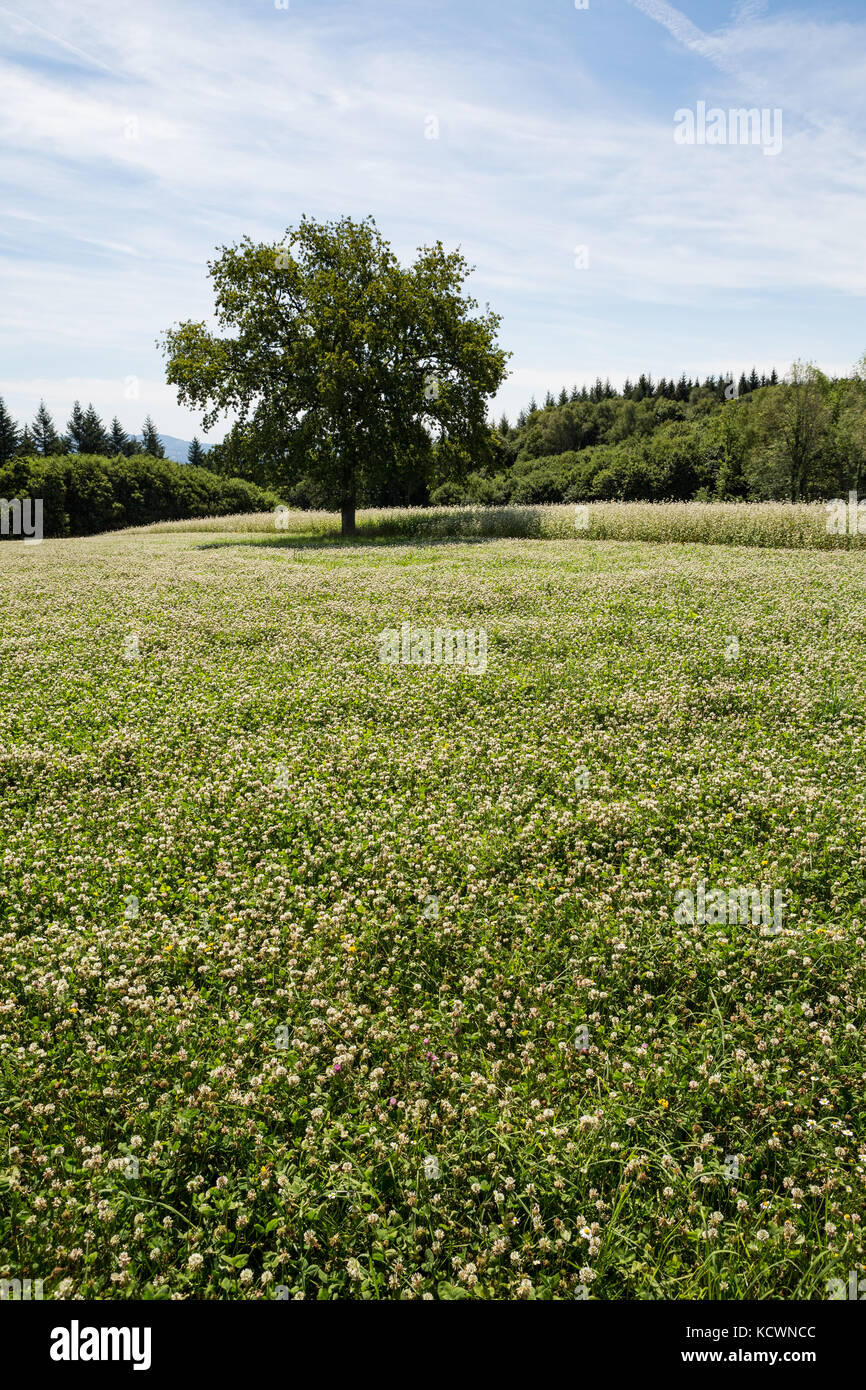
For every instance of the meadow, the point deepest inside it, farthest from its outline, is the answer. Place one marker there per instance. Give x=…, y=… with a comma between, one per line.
x=327, y=978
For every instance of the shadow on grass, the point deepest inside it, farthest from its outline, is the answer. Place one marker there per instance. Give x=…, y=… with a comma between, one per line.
x=499, y=524
x=354, y=542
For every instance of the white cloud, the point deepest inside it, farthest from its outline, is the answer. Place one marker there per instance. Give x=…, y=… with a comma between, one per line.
x=136, y=140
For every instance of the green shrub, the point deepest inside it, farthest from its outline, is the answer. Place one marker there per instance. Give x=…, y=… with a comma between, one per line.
x=86, y=493
x=450, y=494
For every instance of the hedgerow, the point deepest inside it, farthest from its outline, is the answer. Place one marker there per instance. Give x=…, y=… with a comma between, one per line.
x=86, y=493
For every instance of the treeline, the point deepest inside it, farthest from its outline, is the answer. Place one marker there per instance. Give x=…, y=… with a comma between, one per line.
x=798, y=437
x=86, y=493
x=801, y=437
x=86, y=433
x=722, y=388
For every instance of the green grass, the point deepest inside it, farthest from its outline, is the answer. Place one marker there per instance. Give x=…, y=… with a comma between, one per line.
x=402, y=868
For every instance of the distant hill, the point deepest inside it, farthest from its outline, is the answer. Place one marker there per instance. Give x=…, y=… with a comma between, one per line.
x=176, y=449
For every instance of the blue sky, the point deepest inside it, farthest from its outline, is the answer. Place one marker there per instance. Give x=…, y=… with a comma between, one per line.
x=138, y=137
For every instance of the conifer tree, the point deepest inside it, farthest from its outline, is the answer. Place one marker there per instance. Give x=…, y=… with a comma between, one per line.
x=118, y=439
x=94, y=438
x=27, y=446
x=75, y=429
x=195, y=453
x=45, y=436
x=10, y=438
x=150, y=441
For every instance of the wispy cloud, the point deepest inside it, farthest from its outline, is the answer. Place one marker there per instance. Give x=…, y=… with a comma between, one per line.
x=135, y=141
x=21, y=23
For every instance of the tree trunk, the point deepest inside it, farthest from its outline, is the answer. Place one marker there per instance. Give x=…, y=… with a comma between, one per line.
x=347, y=514
x=348, y=498
x=347, y=494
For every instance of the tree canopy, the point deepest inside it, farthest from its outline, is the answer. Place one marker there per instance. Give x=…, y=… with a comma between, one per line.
x=339, y=363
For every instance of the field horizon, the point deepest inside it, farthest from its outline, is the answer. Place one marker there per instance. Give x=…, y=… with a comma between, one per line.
x=784, y=525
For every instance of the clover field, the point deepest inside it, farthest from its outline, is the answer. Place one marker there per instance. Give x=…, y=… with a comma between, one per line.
x=327, y=978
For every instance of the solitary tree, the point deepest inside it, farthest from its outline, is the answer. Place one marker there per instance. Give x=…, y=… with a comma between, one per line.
x=9, y=436
x=339, y=363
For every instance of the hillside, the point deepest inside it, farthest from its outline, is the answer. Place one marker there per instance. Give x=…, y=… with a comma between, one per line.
x=799, y=439
x=176, y=449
